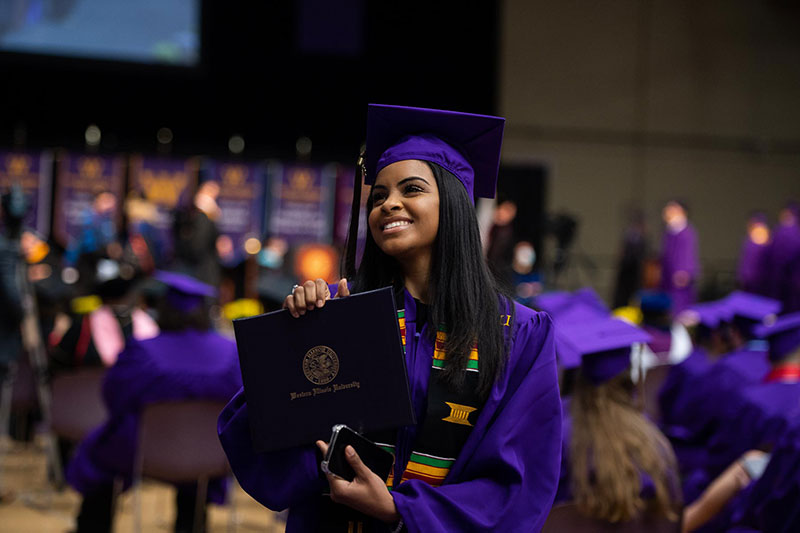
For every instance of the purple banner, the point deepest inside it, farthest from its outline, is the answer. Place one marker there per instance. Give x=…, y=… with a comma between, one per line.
x=81, y=178
x=169, y=185
x=301, y=202
x=241, y=204
x=33, y=172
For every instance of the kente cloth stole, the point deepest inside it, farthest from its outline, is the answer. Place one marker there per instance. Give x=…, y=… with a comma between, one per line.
x=449, y=418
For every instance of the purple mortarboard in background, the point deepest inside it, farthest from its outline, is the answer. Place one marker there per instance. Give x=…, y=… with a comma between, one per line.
x=565, y=307
x=577, y=312
x=589, y=297
x=184, y=292
x=467, y=145
x=602, y=347
x=707, y=314
x=574, y=315
x=750, y=310
x=783, y=334
x=552, y=302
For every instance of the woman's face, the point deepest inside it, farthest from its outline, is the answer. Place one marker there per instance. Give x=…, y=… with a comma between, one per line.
x=404, y=219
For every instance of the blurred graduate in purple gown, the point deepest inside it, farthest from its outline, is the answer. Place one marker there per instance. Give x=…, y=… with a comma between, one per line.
x=763, y=411
x=495, y=470
x=770, y=502
x=680, y=264
x=784, y=258
x=752, y=273
x=615, y=465
x=763, y=495
x=185, y=361
x=708, y=397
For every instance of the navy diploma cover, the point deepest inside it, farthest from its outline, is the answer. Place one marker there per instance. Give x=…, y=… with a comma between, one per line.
x=342, y=364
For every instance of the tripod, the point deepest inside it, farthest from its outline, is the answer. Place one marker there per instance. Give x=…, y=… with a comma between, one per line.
x=572, y=269
x=32, y=344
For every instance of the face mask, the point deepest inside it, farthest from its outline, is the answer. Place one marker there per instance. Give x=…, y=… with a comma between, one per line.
x=525, y=257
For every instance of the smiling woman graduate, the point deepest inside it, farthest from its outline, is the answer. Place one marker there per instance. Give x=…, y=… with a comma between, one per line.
x=494, y=466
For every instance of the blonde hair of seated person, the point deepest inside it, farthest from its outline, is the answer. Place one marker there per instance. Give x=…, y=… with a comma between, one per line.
x=612, y=445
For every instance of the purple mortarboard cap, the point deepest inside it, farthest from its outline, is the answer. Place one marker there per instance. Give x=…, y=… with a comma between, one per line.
x=783, y=334
x=184, y=292
x=589, y=297
x=562, y=306
x=750, y=309
x=551, y=302
x=707, y=314
x=467, y=145
x=602, y=346
x=578, y=312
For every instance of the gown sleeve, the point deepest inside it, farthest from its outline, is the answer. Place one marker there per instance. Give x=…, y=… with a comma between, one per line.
x=277, y=480
x=506, y=476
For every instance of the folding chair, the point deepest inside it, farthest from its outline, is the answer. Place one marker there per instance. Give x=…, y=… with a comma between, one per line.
x=78, y=405
x=178, y=443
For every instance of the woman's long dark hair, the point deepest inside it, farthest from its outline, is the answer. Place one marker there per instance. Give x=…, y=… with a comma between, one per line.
x=465, y=297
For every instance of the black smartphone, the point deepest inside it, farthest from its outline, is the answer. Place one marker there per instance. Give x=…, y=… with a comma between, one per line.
x=377, y=459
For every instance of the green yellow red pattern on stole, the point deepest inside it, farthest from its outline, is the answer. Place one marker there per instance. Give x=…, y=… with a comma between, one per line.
x=429, y=468
x=439, y=355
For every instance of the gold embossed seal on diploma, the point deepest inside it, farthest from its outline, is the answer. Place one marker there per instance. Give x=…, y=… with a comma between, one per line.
x=320, y=365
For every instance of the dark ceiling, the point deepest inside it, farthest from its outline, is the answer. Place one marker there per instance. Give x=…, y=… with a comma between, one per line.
x=271, y=71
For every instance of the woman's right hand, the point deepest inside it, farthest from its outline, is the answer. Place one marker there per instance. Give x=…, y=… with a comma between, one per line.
x=312, y=295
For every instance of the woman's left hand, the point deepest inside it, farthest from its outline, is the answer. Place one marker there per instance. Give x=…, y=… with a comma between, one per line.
x=366, y=493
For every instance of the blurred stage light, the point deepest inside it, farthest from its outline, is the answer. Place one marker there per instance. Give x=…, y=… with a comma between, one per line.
x=303, y=146
x=164, y=136
x=92, y=135
x=69, y=275
x=236, y=144
x=252, y=246
x=317, y=261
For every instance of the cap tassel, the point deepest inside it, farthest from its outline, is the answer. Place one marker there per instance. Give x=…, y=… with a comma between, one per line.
x=351, y=244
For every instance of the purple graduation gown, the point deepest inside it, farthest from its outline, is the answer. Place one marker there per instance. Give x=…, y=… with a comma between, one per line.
x=708, y=400
x=679, y=253
x=172, y=366
x=784, y=259
x=760, y=417
x=504, y=479
x=771, y=502
x=704, y=399
x=753, y=264
x=672, y=395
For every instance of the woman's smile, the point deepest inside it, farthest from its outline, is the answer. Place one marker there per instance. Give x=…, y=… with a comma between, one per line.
x=404, y=218
x=396, y=225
